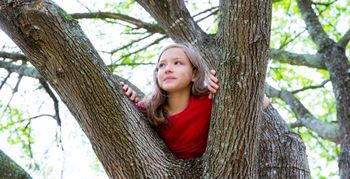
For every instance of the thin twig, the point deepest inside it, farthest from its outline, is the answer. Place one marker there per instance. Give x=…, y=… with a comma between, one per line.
x=310, y=87
x=291, y=40
x=43, y=115
x=48, y=90
x=6, y=78
x=143, y=48
x=131, y=43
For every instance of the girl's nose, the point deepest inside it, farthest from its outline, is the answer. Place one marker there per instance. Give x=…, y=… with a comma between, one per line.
x=168, y=69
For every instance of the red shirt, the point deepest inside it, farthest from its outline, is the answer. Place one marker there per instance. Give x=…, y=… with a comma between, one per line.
x=186, y=133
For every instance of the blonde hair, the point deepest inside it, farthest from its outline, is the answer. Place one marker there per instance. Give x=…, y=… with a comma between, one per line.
x=154, y=104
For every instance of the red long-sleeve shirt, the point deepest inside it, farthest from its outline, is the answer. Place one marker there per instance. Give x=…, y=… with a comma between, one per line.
x=186, y=133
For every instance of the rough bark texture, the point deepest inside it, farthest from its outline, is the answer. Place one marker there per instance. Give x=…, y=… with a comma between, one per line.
x=282, y=154
x=10, y=169
x=339, y=68
x=126, y=146
x=244, y=43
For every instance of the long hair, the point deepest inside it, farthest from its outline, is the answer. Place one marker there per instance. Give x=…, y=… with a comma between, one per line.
x=155, y=103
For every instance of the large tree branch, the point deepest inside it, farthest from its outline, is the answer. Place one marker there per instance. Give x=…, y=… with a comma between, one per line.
x=59, y=50
x=152, y=28
x=175, y=19
x=345, y=39
x=313, y=61
x=313, y=25
x=13, y=56
x=324, y=130
x=33, y=73
x=20, y=69
x=10, y=169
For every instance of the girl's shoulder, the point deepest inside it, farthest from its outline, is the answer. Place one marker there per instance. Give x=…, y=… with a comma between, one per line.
x=204, y=98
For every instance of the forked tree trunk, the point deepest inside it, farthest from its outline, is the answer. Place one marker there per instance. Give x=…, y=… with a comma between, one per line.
x=124, y=143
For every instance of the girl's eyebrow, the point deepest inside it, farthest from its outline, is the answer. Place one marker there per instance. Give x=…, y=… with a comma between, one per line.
x=162, y=60
x=176, y=58
x=173, y=58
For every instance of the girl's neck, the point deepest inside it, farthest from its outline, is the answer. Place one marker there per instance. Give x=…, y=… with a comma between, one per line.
x=177, y=102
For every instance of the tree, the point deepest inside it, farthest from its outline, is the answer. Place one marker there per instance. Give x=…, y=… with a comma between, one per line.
x=101, y=116
x=10, y=169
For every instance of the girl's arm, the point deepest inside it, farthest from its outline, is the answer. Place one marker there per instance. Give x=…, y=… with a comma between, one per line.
x=213, y=86
x=129, y=92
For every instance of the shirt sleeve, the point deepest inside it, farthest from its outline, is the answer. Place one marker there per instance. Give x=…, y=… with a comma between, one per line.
x=140, y=106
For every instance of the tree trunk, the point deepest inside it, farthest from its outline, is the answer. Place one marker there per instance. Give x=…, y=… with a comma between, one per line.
x=60, y=51
x=125, y=144
x=339, y=68
x=336, y=62
x=244, y=42
x=10, y=169
x=282, y=154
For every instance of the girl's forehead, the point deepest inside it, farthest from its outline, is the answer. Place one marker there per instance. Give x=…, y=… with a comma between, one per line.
x=173, y=53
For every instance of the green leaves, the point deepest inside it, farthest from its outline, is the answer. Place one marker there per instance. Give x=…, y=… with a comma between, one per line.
x=17, y=129
x=67, y=16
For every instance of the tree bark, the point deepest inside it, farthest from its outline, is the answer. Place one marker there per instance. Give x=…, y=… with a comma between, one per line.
x=244, y=42
x=336, y=62
x=125, y=144
x=10, y=169
x=282, y=154
x=60, y=51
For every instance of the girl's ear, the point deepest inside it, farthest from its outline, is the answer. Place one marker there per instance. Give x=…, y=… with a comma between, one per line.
x=194, y=74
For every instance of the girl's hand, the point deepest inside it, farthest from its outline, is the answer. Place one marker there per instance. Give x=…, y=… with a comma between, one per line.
x=129, y=92
x=266, y=102
x=213, y=86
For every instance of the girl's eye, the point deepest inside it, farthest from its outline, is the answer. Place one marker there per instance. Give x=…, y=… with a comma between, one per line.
x=177, y=63
x=161, y=65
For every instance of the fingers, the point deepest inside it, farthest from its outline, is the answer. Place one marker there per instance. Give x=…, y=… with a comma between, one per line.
x=213, y=78
x=123, y=85
x=129, y=92
x=213, y=87
x=133, y=97
x=213, y=82
x=266, y=102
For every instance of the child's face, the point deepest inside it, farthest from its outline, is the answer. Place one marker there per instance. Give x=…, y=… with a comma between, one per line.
x=175, y=71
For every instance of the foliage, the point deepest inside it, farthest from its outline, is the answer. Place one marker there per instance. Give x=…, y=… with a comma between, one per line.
x=18, y=132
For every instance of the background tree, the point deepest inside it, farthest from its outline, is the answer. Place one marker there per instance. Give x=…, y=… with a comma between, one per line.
x=286, y=40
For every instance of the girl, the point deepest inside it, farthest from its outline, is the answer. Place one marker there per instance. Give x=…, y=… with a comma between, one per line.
x=180, y=104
